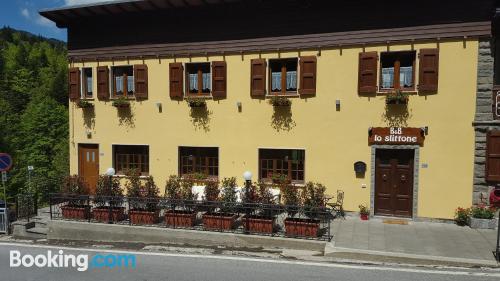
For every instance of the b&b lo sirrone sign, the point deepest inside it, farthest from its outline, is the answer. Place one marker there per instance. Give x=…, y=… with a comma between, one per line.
x=396, y=135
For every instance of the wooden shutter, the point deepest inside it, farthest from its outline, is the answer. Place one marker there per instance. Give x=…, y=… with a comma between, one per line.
x=74, y=83
x=258, y=78
x=141, y=81
x=429, y=70
x=176, y=80
x=219, y=81
x=307, y=75
x=367, y=73
x=493, y=156
x=103, y=82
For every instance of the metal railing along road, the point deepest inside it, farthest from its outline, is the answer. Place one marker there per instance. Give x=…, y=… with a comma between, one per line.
x=250, y=218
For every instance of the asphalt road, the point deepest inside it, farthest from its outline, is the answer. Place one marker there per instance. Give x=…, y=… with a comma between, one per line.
x=180, y=267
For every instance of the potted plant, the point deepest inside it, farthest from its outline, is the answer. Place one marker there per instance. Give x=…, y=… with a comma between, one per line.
x=84, y=104
x=397, y=97
x=76, y=190
x=462, y=216
x=143, y=199
x=264, y=220
x=108, y=200
x=121, y=102
x=482, y=217
x=196, y=102
x=314, y=199
x=224, y=219
x=280, y=101
x=181, y=198
x=364, y=212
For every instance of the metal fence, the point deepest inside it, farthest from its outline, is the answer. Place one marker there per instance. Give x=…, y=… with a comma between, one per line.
x=4, y=220
x=26, y=206
x=249, y=218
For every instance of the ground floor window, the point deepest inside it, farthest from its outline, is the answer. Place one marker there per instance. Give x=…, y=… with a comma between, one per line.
x=199, y=160
x=127, y=157
x=289, y=162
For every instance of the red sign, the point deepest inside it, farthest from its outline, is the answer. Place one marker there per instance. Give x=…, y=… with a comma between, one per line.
x=396, y=135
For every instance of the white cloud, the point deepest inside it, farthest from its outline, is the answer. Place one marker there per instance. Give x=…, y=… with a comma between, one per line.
x=44, y=21
x=25, y=13
x=80, y=2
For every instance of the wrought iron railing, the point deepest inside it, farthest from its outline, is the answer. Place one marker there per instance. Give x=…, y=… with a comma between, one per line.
x=251, y=218
x=26, y=206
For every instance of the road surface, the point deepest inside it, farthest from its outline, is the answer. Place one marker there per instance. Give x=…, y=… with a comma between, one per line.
x=180, y=267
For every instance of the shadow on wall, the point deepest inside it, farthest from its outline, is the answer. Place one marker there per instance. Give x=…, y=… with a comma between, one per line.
x=282, y=119
x=200, y=117
x=125, y=117
x=396, y=115
x=89, y=118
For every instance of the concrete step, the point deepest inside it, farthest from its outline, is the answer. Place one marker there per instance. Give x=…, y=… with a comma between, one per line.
x=38, y=230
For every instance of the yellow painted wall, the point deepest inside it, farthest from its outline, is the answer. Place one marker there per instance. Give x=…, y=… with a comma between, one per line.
x=333, y=140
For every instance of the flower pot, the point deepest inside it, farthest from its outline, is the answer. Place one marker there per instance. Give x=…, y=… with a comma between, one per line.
x=102, y=214
x=224, y=221
x=143, y=217
x=301, y=227
x=259, y=224
x=177, y=218
x=197, y=104
x=75, y=213
x=483, y=223
x=122, y=105
x=364, y=217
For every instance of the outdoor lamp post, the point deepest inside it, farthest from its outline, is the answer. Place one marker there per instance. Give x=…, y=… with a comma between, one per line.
x=110, y=172
x=248, y=181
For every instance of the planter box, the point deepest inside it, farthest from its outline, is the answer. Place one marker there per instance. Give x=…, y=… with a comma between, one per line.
x=180, y=218
x=75, y=213
x=302, y=227
x=259, y=224
x=364, y=217
x=483, y=223
x=102, y=214
x=224, y=221
x=143, y=217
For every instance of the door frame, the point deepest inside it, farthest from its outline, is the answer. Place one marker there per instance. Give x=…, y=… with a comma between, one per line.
x=416, y=165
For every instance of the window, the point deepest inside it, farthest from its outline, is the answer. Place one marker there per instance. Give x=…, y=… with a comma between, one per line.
x=87, y=83
x=131, y=157
x=289, y=162
x=283, y=76
x=202, y=160
x=493, y=156
x=123, y=81
x=198, y=78
x=397, y=71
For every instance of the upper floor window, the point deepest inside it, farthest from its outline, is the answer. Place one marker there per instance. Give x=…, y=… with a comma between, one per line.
x=283, y=76
x=87, y=83
x=198, y=78
x=288, y=162
x=128, y=157
x=123, y=81
x=199, y=160
x=397, y=70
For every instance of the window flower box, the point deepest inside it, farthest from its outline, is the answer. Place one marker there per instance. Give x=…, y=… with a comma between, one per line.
x=222, y=221
x=121, y=103
x=297, y=227
x=179, y=218
x=196, y=102
x=259, y=224
x=84, y=104
x=397, y=97
x=280, y=101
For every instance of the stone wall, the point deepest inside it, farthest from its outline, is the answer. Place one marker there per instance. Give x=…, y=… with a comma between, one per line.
x=483, y=119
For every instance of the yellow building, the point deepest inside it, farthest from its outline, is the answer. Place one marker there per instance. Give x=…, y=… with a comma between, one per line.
x=381, y=107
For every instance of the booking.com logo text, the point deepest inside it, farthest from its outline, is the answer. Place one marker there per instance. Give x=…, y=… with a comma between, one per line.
x=80, y=262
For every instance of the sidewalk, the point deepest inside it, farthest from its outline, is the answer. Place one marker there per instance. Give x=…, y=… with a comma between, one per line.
x=419, y=240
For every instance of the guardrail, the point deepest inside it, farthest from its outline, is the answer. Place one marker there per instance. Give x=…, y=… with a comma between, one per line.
x=250, y=218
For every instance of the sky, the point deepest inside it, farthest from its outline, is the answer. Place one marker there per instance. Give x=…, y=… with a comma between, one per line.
x=23, y=15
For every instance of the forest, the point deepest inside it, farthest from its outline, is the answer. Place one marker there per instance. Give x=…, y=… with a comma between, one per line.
x=33, y=112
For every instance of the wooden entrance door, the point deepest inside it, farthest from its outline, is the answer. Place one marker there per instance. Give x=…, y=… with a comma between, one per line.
x=394, y=182
x=88, y=164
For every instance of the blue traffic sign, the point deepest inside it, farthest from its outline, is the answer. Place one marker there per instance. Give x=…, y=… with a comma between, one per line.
x=5, y=162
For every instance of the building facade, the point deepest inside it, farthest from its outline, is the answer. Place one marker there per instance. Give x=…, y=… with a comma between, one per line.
x=382, y=104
